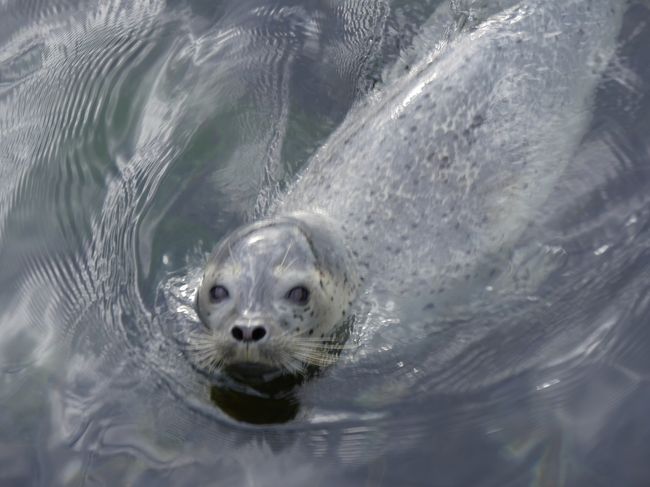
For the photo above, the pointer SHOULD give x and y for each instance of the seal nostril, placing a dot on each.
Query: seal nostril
(247, 333)
(259, 332)
(237, 333)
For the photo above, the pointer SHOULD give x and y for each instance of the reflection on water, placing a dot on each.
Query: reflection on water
(133, 135)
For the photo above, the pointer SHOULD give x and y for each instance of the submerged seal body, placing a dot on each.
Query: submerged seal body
(421, 193)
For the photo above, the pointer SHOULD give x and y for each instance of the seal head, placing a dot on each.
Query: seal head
(274, 297)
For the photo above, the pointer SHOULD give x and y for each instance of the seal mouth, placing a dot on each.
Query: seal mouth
(252, 371)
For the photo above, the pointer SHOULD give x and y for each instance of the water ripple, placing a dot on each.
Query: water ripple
(134, 134)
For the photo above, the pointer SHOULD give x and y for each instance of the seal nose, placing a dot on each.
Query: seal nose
(248, 333)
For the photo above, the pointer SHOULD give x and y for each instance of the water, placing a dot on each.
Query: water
(133, 135)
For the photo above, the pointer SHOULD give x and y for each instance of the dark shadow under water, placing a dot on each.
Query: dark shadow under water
(271, 402)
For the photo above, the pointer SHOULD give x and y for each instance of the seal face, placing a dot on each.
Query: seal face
(274, 297)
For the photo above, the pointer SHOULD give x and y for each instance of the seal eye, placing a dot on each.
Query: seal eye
(218, 294)
(298, 295)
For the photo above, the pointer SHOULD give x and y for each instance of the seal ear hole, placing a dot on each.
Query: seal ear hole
(218, 293)
(298, 295)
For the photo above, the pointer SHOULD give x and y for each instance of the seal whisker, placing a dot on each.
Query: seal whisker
(290, 265)
(199, 343)
(316, 341)
(230, 253)
(290, 363)
(202, 353)
(203, 350)
(324, 346)
(199, 338)
(215, 364)
(281, 266)
(204, 357)
(315, 358)
(315, 351)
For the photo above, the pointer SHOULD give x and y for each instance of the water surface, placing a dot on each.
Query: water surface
(133, 135)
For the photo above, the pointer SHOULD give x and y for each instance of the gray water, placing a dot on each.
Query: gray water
(133, 135)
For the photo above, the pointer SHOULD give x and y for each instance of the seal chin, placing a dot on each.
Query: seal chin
(253, 372)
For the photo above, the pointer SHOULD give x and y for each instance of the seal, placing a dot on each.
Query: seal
(420, 195)
(274, 297)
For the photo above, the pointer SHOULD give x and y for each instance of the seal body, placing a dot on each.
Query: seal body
(436, 180)
(422, 192)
